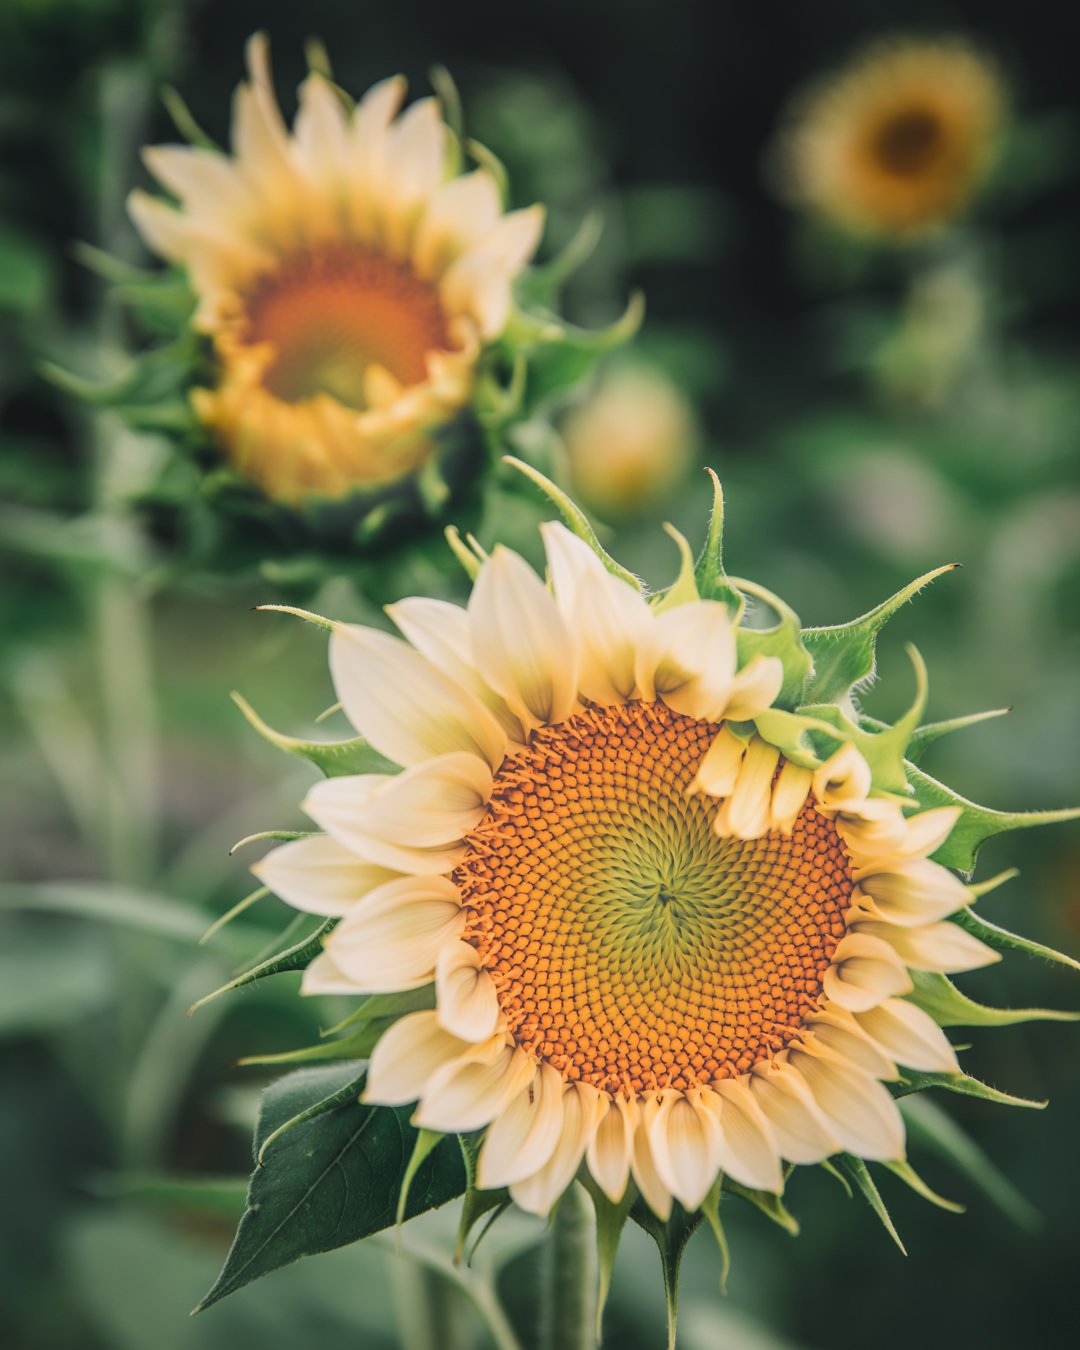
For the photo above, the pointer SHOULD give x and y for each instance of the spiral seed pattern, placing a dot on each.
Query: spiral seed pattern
(630, 947)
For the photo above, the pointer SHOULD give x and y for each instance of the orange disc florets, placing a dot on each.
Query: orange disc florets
(630, 946)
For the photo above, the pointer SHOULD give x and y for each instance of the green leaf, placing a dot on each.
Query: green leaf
(769, 1204)
(938, 996)
(295, 957)
(907, 1174)
(671, 1237)
(962, 1083)
(334, 758)
(927, 1125)
(864, 1183)
(994, 936)
(925, 736)
(844, 655)
(684, 588)
(329, 1180)
(976, 823)
(220, 1196)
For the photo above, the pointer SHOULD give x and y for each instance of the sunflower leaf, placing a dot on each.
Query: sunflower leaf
(977, 824)
(333, 1177)
(671, 1237)
(334, 758)
(845, 655)
(864, 1182)
(938, 996)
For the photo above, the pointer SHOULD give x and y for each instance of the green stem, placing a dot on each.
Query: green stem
(569, 1288)
(432, 1313)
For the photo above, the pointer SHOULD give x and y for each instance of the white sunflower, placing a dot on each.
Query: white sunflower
(660, 948)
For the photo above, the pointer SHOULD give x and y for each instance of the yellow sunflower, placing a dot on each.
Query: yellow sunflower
(660, 948)
(900, 141)
(347, 276)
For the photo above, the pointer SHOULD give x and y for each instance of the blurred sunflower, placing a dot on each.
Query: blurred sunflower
(347, 277)
(660, 944)
(899, 142)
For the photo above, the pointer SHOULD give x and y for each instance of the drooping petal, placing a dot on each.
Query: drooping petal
(754, 689)
(857, 1109)
(408, 709)
(789, 796)
(467, 1003)
(612, 1147)
(834, 1029)
(318, 875)
(392, 939)
(521, 644)
(643, 1166)
(569, 561)
(843, 780)
(406, 1056)
(942, 947)
(910, 1036)
(470, 1093)
(537, 1193)
(523, 1137)
(746, 813)
(747, 1149)
(685, 1142)
(794, 1119)
(687, 659)
(718, 771)
(865, 971)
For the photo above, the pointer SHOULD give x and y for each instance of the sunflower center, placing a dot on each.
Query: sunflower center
(909, 141)
(335, 311)
(630, 946)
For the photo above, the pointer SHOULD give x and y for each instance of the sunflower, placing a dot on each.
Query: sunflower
(898, 143)
(347, 277)
(665, 943)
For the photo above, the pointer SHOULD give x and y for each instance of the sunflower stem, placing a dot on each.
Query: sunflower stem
(569, 1286)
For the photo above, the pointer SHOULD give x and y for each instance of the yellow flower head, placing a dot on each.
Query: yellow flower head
(900, 141)
(347, 277)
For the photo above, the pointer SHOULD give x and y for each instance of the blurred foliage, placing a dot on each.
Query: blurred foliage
(872, 415)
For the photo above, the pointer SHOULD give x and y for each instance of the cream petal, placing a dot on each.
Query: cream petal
(910, 1036)
(521, 644)
(643, 1166)
(794, 1120)
(789, 796)
(916, 837)
(514, 238)
(842, 780)
(408, 709)
(318, 875)
(205, 181)
(472, 286)
(440, 631)
(748, 1151)
(745, 814)
(569, 561)
(942, 947)
(610, 622)
(459, 214)
(320, 132)
(466, 1000)
(837, 1030)
(612, 1146)
(406, 1056)
(471, 1093)
(864, 972)
(322, 976)
(522, 1138)
(857, 1109)
(413, 821)
(581, 1110)
(685, 1142)
(687, 659)
(718, 771)
(392, 939)
(915, 893)
(754, 689)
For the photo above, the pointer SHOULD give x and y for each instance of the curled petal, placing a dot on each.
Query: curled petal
(406, 1056)
(610, 622)
(643, 1165)
(754, 689)
(581, 1107)
(942, 947)
(687, 659)
(789, 796)
(470, 1093)
(612, 1147)
(466, 1000)
(865, 971)
(718, 771)
(523, 1137)
(685, 1141)
(746, 813)
(843, 780)
(914, 893)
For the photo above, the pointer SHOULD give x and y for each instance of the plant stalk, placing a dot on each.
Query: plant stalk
(569, 1281)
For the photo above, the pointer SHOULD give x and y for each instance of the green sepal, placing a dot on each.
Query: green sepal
(426, 1143)
(925, 736)
(296, 957)
(994, 936)
(796, 735)
(610, 1222)
(334, 758)
(907, 1174)
(683, 590)
(963, 1084)
(271, 837)
(712, 582)
(331, 1177)
(828, 1166)
(844, 655)
(540, 284)
(710, 1207)
(671, 1236)
(259, 893)
(477, 1202)
(783, 640)
(575, 518)
(864, 1184)
(938, 996)
(358, 1045)
(927, 1125)
(977, 824)
(768, 1203)
(376, 1007)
